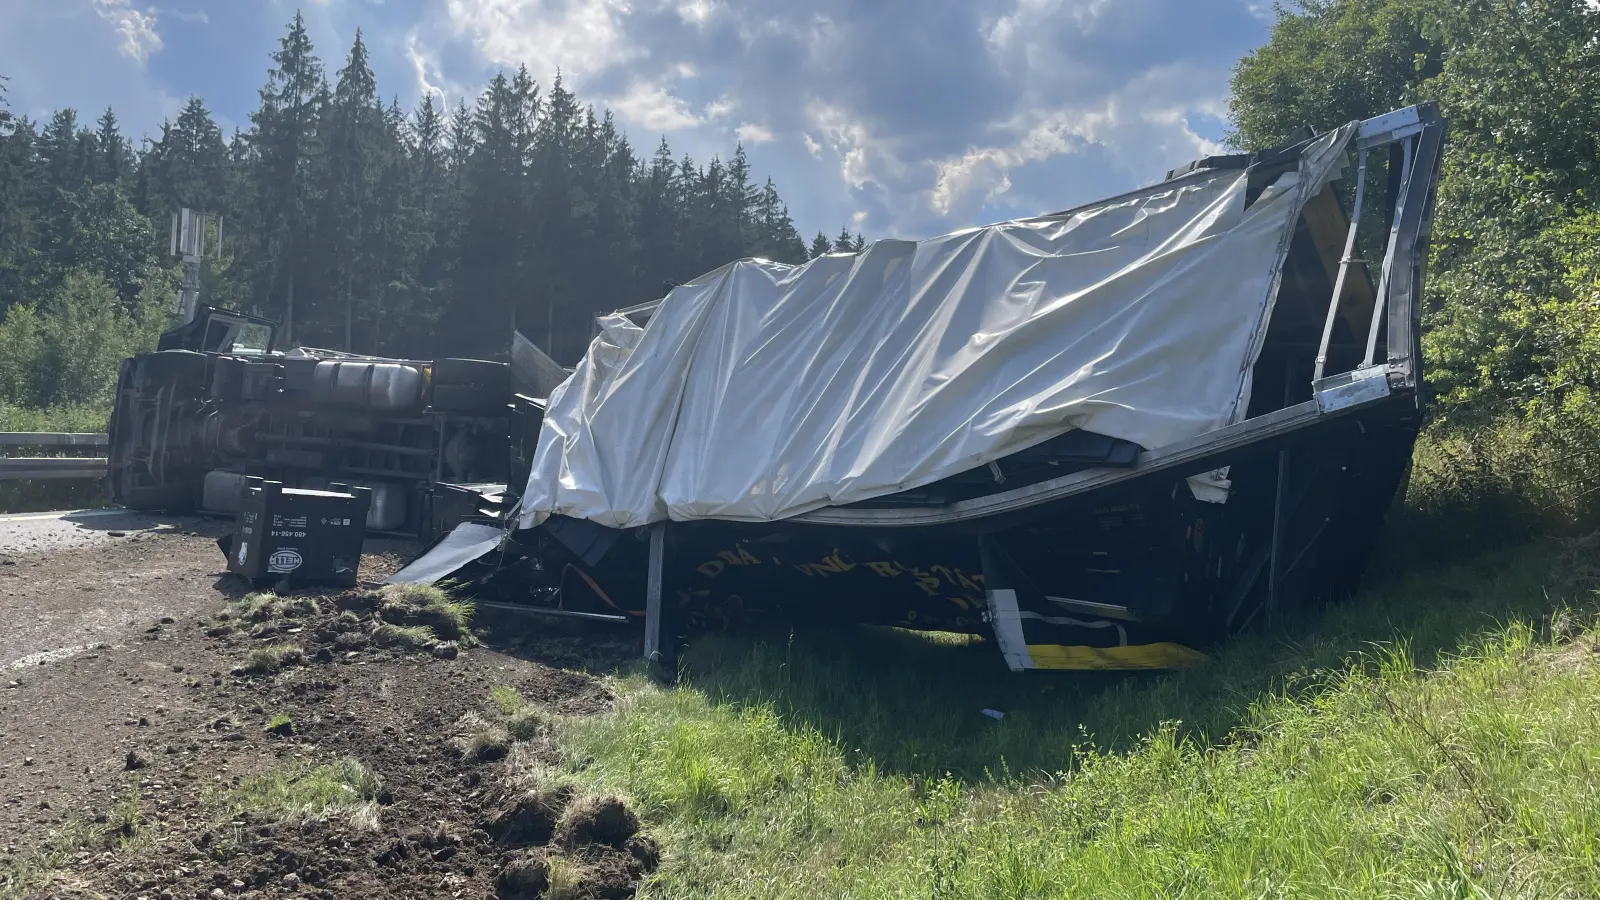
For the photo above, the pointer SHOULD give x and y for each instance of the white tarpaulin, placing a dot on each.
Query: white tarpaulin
(761, 391)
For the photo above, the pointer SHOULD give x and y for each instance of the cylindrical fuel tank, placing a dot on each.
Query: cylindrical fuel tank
(382, 387)
(389, 502)
(223, 492)
(388, 509)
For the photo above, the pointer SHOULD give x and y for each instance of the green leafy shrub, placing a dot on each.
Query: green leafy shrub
(67, 349)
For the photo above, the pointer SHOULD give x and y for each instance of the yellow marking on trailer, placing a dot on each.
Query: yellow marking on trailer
(1160, 655)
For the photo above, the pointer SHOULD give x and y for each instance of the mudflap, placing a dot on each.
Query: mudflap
(1033, 634)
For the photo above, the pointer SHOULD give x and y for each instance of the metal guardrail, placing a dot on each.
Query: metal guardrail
(16, 468)
(52, 467)
(52, 439)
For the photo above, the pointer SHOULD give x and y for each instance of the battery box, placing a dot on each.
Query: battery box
(299, 536)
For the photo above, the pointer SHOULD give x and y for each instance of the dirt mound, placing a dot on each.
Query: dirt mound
(530, 817)
(523, 878)
(644, 849)
(599, 820)
(606, 876)
(297, 755)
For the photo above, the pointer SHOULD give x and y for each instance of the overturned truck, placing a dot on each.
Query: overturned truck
(217, 402)
(1104, 437)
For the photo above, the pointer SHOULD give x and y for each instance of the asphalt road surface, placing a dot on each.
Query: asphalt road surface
(73, 579)
(41, 532)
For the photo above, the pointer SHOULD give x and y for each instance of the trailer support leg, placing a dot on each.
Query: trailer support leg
(1274, 569)
(652, 596)
(1000, 596)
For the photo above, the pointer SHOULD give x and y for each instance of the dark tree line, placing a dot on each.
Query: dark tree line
(362, 226)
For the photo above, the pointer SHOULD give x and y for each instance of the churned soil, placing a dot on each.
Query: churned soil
(168, 717)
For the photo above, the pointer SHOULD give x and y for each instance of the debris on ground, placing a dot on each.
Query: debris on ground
(322, 744)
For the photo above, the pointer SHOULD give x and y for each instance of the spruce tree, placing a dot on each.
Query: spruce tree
(285, 140)
(357, 140)
(844, 243)
(659, 226)
(113, 162)
(22, 185)
(187, 166)
(820, 246)
(63, 150)
(356, 226)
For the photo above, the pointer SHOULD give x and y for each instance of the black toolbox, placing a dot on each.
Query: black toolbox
(299, 536)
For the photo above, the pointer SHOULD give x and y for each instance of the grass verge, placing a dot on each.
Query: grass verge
(264, 606)
(1437, 737)
(269, 660)
(429, 606)
(411, 637)
(121, 826)
(299, 793)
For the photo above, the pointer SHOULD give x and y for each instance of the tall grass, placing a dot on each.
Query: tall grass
(82, 417)
(1480, 481)
(1436, 737)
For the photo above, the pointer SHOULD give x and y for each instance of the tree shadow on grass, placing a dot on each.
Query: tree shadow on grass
(911, 703)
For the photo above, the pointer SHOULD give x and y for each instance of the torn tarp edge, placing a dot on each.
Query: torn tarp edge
(469, 542)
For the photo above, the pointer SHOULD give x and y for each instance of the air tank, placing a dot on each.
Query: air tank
(388, 509)
(377, 386)
(222, 492)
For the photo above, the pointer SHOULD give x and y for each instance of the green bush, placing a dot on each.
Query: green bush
(66, 350)
(1484, 481)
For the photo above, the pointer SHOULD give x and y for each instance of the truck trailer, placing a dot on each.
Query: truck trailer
(1103, 438)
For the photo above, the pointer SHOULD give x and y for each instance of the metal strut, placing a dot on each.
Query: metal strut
(1344, 266)
(1381, 301)
(652, 592)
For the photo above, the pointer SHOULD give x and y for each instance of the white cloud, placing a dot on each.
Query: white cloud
(974, 179)
(423, 67)
(1142, 126)
(652, 107)
(580, 37)
(849, 139)
(1020, 104)
(1024, 22)
(697, 12)
(138, 29)
(753, 133)
(720, 107)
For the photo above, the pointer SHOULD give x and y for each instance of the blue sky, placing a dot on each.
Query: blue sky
(901, 118)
